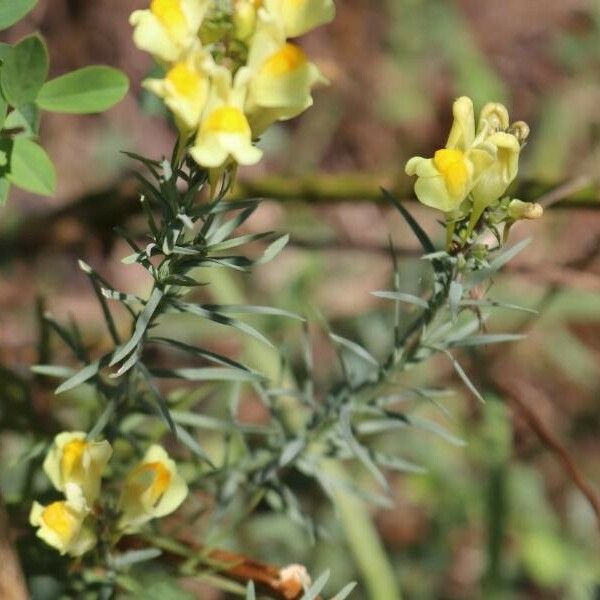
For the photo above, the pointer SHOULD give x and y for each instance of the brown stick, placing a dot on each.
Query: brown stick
(514, 391)
(12, 582)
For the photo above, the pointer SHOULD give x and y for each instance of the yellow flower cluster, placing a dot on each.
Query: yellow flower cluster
(75, 466)
(231, 70)
(477, 164)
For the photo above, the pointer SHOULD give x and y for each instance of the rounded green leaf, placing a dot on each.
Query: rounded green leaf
(12, 11)
(24, 71)
(31, 168)
(88, 90)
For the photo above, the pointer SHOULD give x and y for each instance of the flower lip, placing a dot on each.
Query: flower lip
(61, 520)
(170, 14)
(289, 58)
(227, 119)
(452, 166)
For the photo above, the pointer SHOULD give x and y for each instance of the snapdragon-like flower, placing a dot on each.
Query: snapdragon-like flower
(299, 16)
(74, 460)
(225, 133)
(61, 524)
(445, 180)
(282, 77)
(185, 89)
(169, 28)
(152, 489)
(479, 165)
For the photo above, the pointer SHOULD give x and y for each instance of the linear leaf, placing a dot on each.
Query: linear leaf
(217, 317)
(423, 238)
(345, 591)
(207, 374)
(248, 309)
(359, 451)
(481, 340)
(201, 352)
(402, 297)
(355, 348)
(317, 587)
(141, 325)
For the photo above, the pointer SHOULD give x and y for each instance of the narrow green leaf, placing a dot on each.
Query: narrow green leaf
(207, 374)
(488, 303)
(31, 168)
(402, 297)
(250, 593)
(345, 591)
(217, 317)
(185, 438)
(423, 238)
(481, 340)
(141, 325)
(103, 420)
(360, 451)
(273, 250)
(317, 587)
(248, 309)
(52, 371)
(81, 376)
(24, 71)
(121, 561)
(454, 296)
(355, 348)
(89, 90)
(509, 254)
(201, 352)
(12, 11)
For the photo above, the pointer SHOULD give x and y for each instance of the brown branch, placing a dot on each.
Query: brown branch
(515, 390)
(94, 215)
(12, 582)
(267, 578)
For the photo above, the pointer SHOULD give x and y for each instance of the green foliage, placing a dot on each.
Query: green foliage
(12, 11)
(31, 167)
(24, 91)
(29, 57)
(88, 90)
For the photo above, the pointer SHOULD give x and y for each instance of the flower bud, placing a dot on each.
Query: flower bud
(518, 209)
(244, 19)
(292, 580)
(520, 130)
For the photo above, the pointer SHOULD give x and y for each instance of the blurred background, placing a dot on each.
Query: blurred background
(504, 517)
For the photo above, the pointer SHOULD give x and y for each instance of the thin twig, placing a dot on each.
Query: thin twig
(515, 390)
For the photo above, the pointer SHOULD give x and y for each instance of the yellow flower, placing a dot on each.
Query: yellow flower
(60, 525)
(494, 181)
(224, 132)
(445, 180)
(185, 89)
(169, 28)
(281, 77)
(300, 16)
(74, 460)
(153, 489)
(506, 142)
